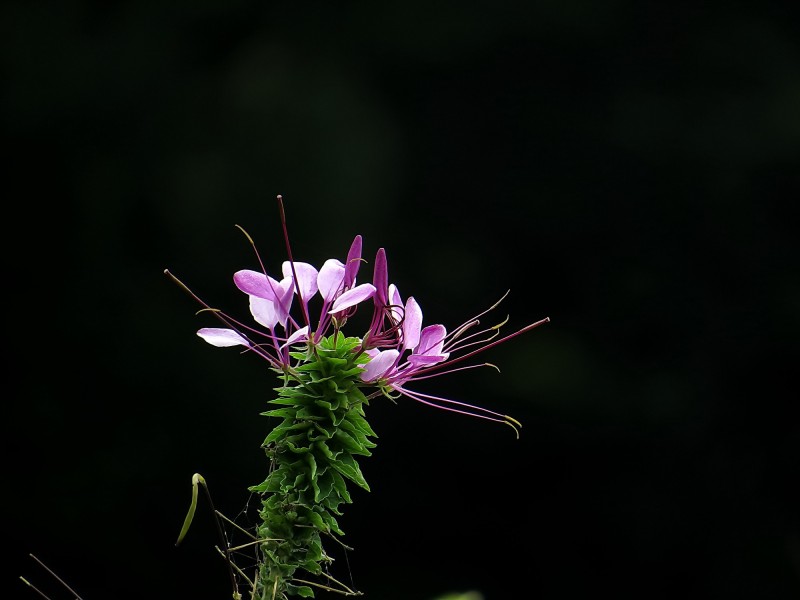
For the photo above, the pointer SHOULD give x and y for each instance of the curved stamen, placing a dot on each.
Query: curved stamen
(427, 399)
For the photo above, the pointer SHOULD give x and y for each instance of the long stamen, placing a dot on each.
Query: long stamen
(426, 399)
(275, 293)
(455, 370)
(226, 320)
(484, 348)
(291, 263)
(465, 342)
(469, 323)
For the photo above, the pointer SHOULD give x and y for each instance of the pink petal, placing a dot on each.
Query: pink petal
(395, 303)
(431, 340)
(306, 277)
(353, 262)
(424, 360)
(412, 324)
(264, 312)
(222, 338)
(299, 335)
(330, 279)
(283, 302)
(379, 365)
(254, 283)
(380, 277)
(352, 297)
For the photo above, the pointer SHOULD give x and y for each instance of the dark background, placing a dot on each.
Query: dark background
(629, 169)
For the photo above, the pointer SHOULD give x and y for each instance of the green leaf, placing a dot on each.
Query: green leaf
(300, 590)
(323, 486)
(312, 566)
(347, 466)
(361, 423)
(284, 413)
(357, 434)
(312, 464)
(330, 521)
(340, 485)
(315, 519)
(350, 443)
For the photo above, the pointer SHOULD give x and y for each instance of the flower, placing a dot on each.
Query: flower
(271, 303)
(424, 352)
(397, 349)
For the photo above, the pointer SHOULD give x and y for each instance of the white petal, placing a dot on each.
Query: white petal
(299, 335)
(330, 278)
(264, 312)
(395, 302)
(306, 277)
(352, 297)
(222, 338)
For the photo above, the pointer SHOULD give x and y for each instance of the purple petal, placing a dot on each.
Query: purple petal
(380, 278)
(264, 312)
(254, 283)
(431, 340)
(306, 277)
(352, 297)
(395, 303)
(283, 303)
(299, 335)
(424, 360)
(222, 338)
(353, 262)
(412, 324)
(330, 279)
(379, 365)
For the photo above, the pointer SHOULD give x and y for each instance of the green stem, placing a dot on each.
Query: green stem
(313, 458)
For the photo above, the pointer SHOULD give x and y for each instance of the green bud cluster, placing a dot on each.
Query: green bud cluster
(312, 454)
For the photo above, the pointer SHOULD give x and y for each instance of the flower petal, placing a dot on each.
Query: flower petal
(254, 283)
(353, 262)
(330, 278)
(380, 278)
(299, 335)
(264, 312)
(431, 340)
(283, 302)
(395, 303)
(306, 278)
(222, 338)
(412, 324)
(352, 297)
(380, 364)
(418, 361)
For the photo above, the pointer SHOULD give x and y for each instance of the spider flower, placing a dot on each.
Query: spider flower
(298, 323)
(271, 303)
(425, 352)
(397, 349)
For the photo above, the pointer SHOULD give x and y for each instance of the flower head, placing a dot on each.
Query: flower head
(397, 350)
(430, 351)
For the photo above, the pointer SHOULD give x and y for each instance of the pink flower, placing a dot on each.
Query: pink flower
(430, 351)
(271, 303)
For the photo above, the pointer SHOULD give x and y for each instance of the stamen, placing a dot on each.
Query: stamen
(230, 322)
(425, 399)
(474, 320)
(486, 347)
(291, 262)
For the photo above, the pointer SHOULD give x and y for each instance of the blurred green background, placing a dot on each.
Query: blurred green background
(629, 169)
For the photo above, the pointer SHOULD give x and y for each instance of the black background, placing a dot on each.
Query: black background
(629, 169)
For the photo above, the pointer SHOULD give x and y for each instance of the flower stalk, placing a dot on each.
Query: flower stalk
(327, 379)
